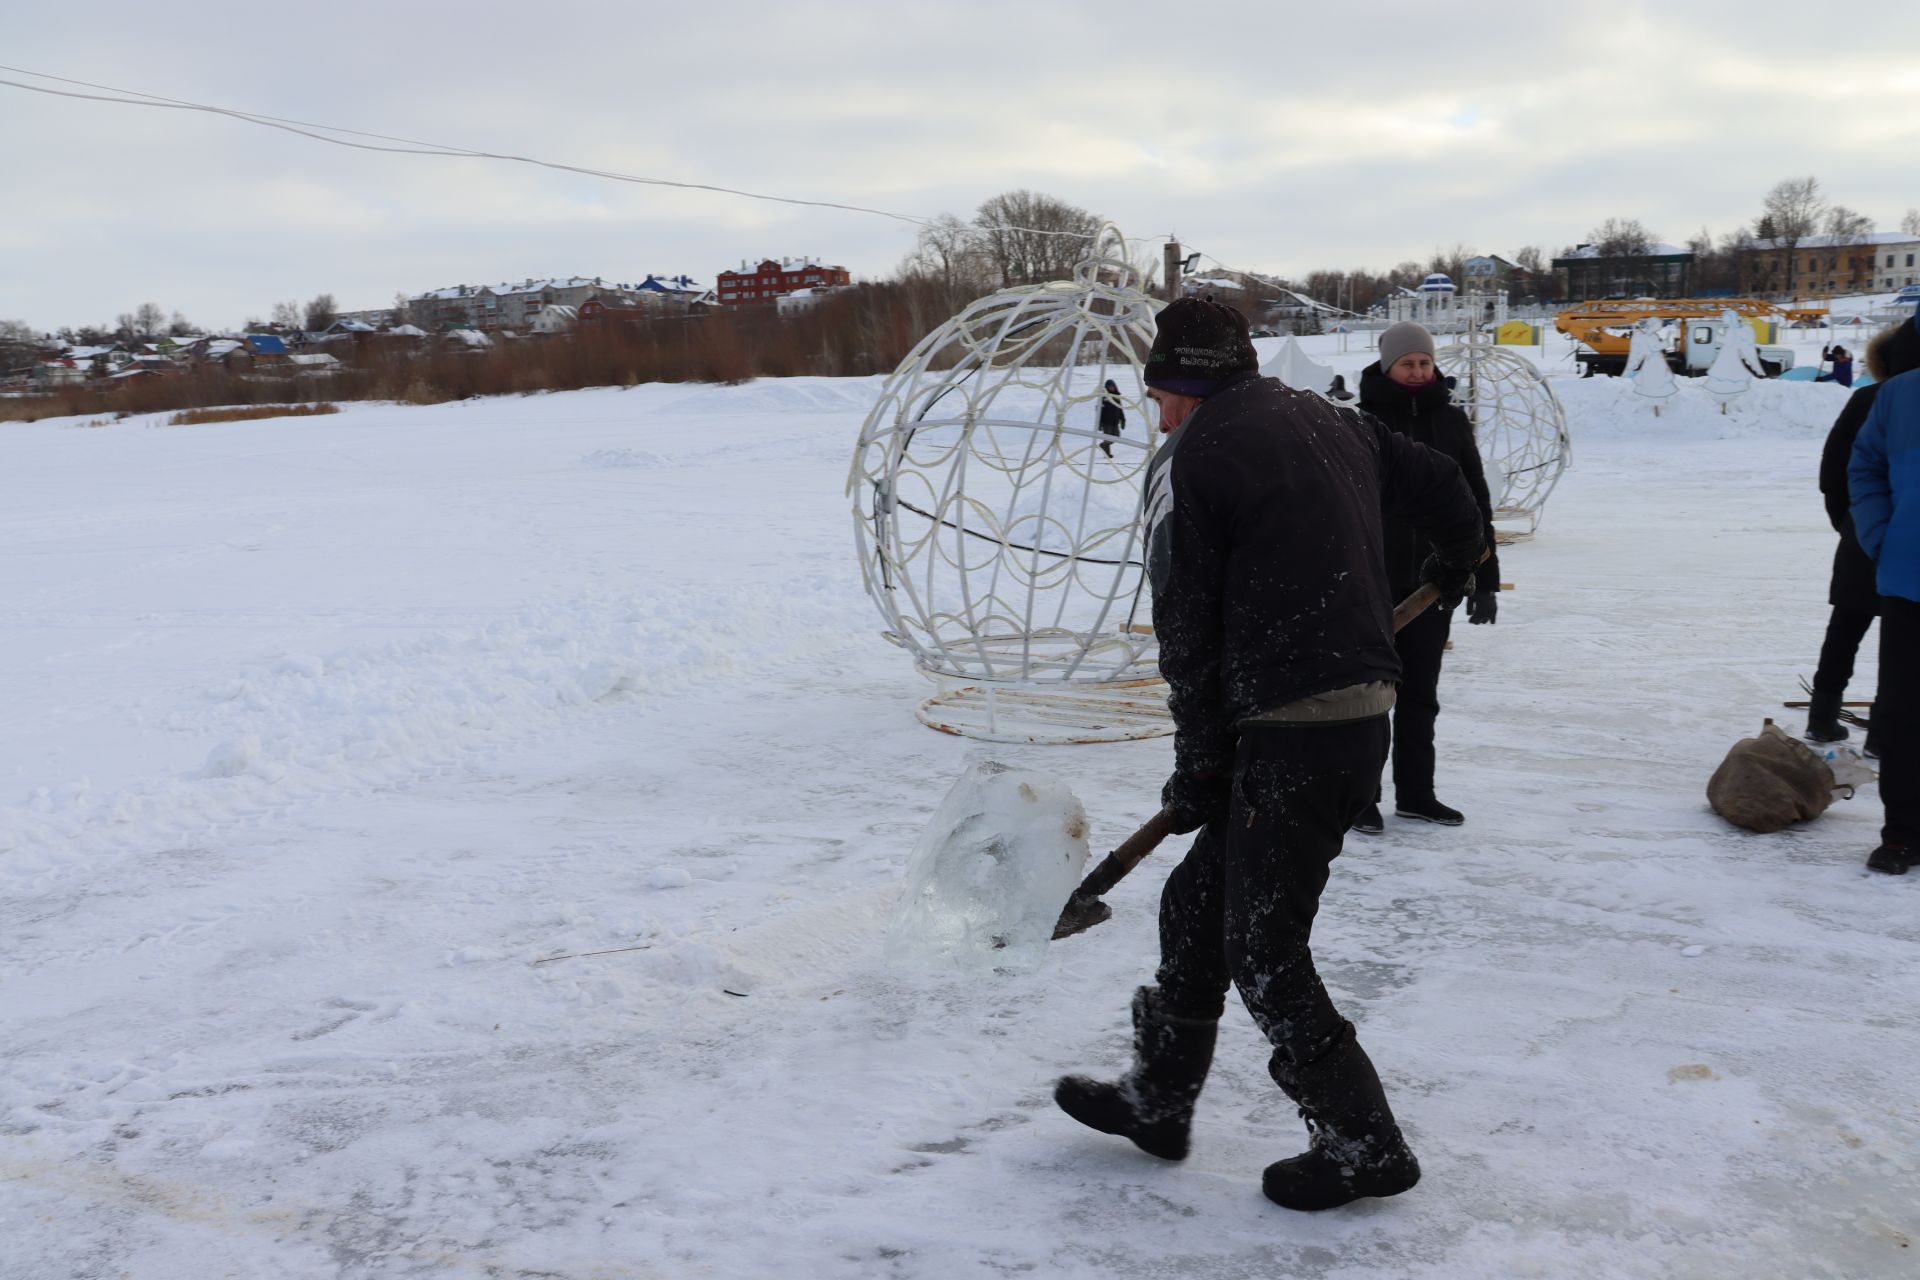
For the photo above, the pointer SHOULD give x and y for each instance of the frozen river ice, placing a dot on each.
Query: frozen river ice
(459, 841)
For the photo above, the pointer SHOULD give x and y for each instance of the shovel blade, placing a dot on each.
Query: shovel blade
(1082, 912)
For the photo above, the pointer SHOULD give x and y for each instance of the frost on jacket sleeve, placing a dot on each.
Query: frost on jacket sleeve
(1188, 541)
(1427, 489)
(1869, 483)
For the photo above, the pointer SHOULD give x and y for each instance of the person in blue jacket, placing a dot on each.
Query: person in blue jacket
(1883, 479)
(1842, 361)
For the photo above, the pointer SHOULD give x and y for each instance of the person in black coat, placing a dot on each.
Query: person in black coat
(1270, 604)
(1405, 390)
(1113, 419)
(1851, 592)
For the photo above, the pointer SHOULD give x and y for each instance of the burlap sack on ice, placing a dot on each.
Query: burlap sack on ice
(1770, 782)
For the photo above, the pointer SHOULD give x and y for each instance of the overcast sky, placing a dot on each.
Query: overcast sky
(1273, 136)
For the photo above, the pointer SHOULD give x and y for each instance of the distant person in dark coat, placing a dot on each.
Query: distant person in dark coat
(1883, 479)
(1113, 419)
(1851, 593)
(1405, 390)
(1842, 361)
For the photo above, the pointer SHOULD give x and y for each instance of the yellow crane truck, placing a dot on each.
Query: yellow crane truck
(1604, 328)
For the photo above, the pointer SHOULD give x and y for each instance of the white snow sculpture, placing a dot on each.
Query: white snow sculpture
(1001, 542)
(1647, 363)
(1518, 423)
(1294, 367)
(1736, 366)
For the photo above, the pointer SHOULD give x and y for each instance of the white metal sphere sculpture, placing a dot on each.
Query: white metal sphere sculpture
(999, 530)
(1518, 422)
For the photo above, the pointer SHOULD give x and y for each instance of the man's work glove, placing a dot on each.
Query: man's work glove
(1198, 792)
(1481, 607)
(1456, 581)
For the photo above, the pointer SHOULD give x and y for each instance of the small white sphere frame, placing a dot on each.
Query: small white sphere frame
(1519, 424)
(1000, 532)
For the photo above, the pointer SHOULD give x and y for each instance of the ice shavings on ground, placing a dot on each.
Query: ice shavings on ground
(503, 976)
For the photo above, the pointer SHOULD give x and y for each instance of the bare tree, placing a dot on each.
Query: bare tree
(1910, 222)
(1406, 274)
(401, 312)
(149, 320)
(1031, 238)
(1846, 226)
(18, 345)
(286, 315)
(320, 312)
(953, 253)
(1792, 212)
(179, 326)
(1621, 238)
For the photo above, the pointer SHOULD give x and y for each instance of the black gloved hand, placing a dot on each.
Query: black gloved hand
(1481, 607)
(1456, 581)
(1198, 793)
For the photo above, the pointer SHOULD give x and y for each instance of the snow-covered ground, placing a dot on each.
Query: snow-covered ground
(330, 745)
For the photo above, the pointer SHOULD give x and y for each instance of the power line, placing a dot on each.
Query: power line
(411, 146)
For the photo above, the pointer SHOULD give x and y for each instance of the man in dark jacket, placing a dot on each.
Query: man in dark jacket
(1405, 390)
(1274, 620)
(1883, 478)
(1851, 592)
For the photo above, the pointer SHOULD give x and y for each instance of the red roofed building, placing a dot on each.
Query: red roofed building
(759, 286)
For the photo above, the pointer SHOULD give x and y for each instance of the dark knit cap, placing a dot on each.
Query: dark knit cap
(1198, 346)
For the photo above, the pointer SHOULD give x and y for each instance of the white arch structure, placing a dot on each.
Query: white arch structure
(1518, 422)
(1000, 541)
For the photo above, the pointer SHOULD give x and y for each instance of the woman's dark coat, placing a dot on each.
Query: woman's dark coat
(1429, 416)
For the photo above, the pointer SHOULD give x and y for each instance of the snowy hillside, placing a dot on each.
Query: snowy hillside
(334, 747)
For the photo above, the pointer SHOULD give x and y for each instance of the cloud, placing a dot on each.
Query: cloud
(1273, 136)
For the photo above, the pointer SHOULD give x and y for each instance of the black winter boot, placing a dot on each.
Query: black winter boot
(1823, 718)
(1428, 809)
(1356, 1148)
(1893, 859)
(1152, 1105)
(1370, 823)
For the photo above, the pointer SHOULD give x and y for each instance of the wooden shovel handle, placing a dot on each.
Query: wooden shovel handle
(1422, 600)
(1131, 853)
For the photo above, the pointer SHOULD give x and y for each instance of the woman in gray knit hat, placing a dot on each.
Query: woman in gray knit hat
(1404, 389)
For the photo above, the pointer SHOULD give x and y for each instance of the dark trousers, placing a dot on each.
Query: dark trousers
(1896, 719)
(1845, 629)
(1239, 908)
(1421, 645)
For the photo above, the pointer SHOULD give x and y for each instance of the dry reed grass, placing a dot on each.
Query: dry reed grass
(194, 417)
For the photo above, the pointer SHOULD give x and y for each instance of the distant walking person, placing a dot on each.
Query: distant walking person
(1113, 419)
(1851, 593)
(1404, 389)
(1884, 481)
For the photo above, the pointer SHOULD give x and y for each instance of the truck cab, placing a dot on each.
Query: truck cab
(1699, 344)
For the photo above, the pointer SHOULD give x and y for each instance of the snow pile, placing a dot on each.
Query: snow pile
(1610, 407)
(995, 865)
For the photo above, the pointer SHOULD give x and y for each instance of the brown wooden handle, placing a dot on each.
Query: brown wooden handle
(1131, 853)
(1422, 600)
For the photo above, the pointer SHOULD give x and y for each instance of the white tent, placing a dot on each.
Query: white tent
(1294, 367)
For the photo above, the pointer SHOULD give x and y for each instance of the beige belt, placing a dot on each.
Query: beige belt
(1335, 706)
